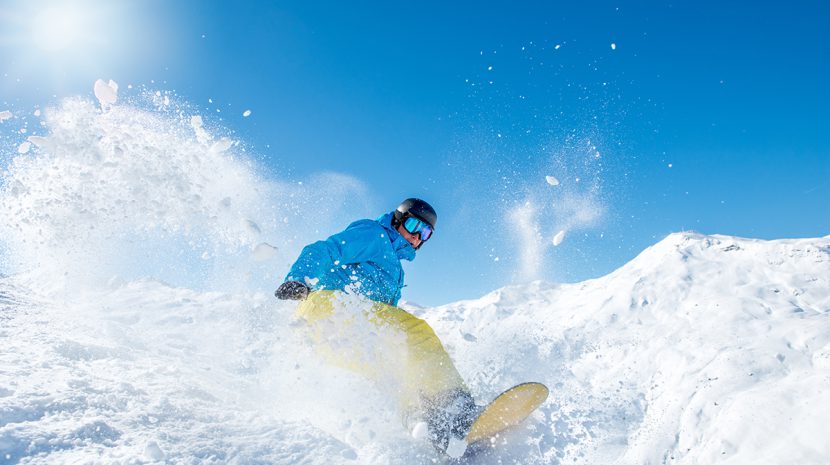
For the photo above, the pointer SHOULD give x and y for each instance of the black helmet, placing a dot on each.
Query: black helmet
(417, 208)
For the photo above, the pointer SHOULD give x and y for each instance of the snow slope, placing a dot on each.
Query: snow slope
(704, 349)
(138, 326)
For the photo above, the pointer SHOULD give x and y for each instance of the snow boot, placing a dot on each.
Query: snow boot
(448, 417)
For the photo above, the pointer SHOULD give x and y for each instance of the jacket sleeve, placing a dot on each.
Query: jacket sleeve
(361, 242)
(313, 260)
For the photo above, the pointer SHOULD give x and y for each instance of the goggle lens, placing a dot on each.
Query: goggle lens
(416, 226)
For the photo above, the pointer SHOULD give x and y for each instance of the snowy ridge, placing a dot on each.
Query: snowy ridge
(703, 349)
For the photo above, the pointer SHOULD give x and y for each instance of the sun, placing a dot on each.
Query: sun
(53, 42)
(65, 30)
(59, 27)
(59, 46)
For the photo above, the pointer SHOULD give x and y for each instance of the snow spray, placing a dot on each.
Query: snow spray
(148, 189)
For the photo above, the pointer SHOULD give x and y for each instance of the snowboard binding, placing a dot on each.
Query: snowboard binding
(449, 416)
(454, 421)
(443, 419)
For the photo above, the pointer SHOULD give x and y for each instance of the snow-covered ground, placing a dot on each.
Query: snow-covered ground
(703, 349)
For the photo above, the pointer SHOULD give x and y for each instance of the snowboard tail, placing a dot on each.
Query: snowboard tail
(508, 409)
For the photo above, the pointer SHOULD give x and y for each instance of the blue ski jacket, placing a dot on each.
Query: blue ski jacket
(365, 258)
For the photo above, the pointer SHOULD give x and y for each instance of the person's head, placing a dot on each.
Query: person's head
(415, 220)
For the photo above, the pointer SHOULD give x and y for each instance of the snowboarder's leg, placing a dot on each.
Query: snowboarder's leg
(429, 368)
(426, 381)
(429, 365)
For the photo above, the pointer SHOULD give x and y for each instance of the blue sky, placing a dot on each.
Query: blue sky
(706, 116)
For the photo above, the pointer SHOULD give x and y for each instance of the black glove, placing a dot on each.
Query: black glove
(292, 290)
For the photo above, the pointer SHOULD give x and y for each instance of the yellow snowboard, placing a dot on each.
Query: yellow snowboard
(508, 409)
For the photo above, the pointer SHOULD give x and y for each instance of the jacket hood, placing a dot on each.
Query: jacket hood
(403, 249)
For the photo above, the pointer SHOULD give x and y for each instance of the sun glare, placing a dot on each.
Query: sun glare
(58, 28)
(51, 43)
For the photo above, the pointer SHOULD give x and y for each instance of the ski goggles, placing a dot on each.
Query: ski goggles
(415, 226)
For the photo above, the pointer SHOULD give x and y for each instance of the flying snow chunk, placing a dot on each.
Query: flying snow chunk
(558, 238)
(198, 127)
(552, 181)
(196, 122)
(456, 448)
(420, 431)
(153, 452)
(221, 145)
(24, 147)
(39, 141)
(252, 227)
(246, 113)
(264, 251)
(5, 114)
(613, 46)
(106, 92)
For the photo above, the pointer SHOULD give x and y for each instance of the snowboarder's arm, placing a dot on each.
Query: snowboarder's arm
(361, 242)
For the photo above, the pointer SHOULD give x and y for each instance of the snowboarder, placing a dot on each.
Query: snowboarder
(365, 260)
